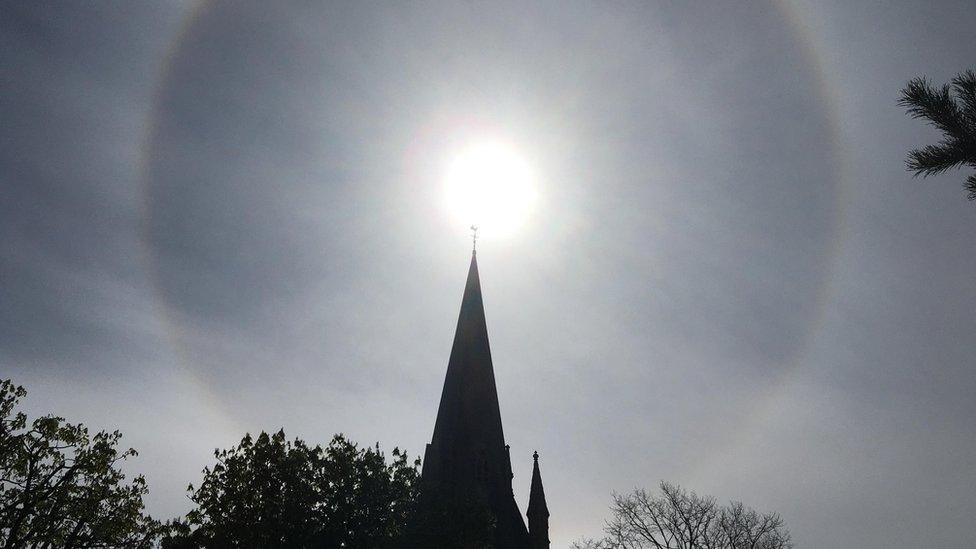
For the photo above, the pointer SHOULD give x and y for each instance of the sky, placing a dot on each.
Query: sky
(226, 217)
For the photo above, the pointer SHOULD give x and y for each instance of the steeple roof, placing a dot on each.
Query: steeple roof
(467, 459)
(468, 410)
(537, 496)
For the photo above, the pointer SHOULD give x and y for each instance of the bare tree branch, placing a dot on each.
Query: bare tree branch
(677, 519)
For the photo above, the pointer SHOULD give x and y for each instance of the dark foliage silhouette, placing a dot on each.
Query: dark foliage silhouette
(61, 487)
(951, 109)
(677, 519)
(271, 492)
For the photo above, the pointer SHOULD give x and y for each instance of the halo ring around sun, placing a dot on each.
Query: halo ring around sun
(505, 212)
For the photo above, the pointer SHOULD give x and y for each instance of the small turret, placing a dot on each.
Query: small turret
(537, 512)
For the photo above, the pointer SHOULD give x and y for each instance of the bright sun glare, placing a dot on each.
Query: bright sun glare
(490, 185)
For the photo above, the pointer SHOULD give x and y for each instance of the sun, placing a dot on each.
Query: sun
(491, 186)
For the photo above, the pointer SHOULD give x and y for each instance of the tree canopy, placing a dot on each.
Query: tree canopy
(62, 487)
(677, 519)
(951, 108)
(271, 492)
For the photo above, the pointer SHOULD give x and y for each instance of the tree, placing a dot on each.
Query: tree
(60, 487)
(677, 519)
(951, 109)
(270, 492)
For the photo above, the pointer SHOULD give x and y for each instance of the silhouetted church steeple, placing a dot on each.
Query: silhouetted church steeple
(467, 459)
(468, 410)
(538, 511)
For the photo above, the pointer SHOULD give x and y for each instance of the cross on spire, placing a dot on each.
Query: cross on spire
(474, 239)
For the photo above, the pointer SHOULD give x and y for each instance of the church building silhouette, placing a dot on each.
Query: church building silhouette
(467, 459)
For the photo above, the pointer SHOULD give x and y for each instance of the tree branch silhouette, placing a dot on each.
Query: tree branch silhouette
(951, 109)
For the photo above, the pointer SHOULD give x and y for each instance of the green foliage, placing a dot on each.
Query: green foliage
(61, 487)
(952, 110)
(271, 492)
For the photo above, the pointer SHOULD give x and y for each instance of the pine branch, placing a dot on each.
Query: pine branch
(935, 159)
(935, 105)
(964, 85)
(952, 109)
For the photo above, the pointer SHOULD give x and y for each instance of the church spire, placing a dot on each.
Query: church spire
(537, 512)
(469, 399)
(467, 459)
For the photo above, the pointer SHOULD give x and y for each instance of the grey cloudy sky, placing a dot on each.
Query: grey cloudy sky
(228, 217)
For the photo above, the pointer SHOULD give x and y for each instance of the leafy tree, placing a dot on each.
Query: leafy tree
(951, 109)
(270, 492)
(60, 487)
(677, 519)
